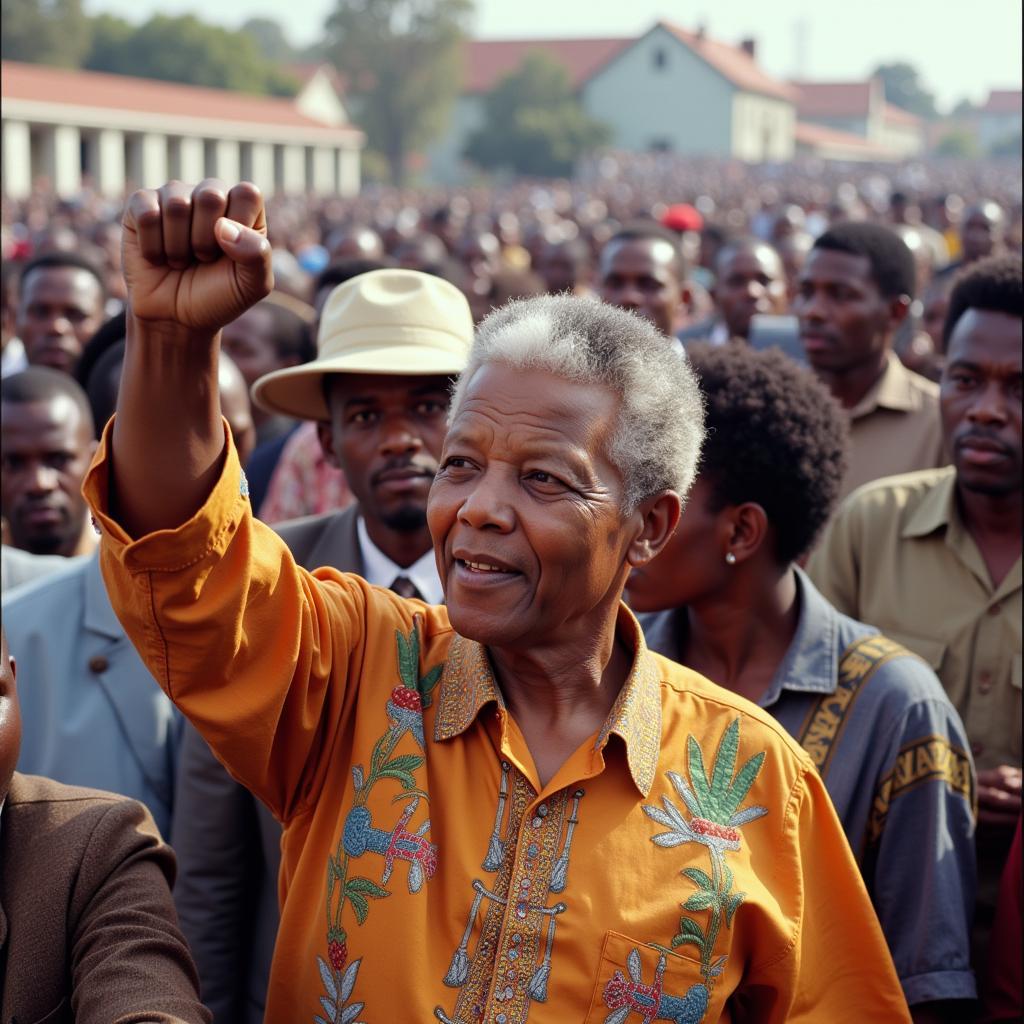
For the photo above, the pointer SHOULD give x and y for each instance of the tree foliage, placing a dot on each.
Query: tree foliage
(270, 40)
(185, 49)
(180, 49)
(958, 143)
(55, 32)
(400, 60)
(534, 124)
(904, 88)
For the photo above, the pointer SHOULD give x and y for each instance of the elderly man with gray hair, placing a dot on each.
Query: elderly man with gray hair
(504, 809)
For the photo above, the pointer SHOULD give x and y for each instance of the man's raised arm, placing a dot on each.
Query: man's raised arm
(194, 260)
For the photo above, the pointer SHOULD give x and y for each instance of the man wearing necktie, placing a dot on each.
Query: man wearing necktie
(389, 344)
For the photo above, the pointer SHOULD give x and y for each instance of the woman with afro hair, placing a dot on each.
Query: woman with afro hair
(731, 602)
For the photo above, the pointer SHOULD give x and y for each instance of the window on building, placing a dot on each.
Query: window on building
(660, 59)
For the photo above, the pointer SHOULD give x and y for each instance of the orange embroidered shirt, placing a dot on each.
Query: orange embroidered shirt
(684, 864)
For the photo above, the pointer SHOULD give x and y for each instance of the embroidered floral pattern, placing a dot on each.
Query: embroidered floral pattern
(360, 836)
(625, 996)
(713, 802)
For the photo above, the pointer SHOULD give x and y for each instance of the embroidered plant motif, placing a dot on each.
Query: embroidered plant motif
(338, 987)
(715, 821)
(624, 996)
(404, 710)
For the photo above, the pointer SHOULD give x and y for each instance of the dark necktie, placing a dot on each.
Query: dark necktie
(404, 587)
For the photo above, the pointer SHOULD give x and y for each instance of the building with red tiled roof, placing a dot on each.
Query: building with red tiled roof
(122, 132)
(669, 90)
(485, 62)
(860, 109)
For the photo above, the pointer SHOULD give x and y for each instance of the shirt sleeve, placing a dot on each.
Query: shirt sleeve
(129, 961)
(834, 565)
(837, 967)
(919, 851)
(264, 658)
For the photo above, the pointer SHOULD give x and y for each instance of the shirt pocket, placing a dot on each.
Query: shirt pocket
(635, 982)
(932, 651)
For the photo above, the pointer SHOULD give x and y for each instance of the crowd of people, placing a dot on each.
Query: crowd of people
(589, 600)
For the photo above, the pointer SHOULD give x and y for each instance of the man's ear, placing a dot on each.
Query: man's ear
(325, 435)
(659, 516)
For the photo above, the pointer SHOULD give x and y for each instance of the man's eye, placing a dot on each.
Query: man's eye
(59, 460)
(431, 408)
(456, 462)
(546, 480)
(363, 418)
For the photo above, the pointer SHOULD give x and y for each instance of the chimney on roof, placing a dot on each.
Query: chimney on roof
(749, 47)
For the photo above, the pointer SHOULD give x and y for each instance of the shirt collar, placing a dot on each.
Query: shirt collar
(811, 663)
(379, 570)
(468, 685)
(936, 510)
(893, 390)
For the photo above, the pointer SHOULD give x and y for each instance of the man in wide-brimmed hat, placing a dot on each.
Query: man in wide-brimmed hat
(389, 343)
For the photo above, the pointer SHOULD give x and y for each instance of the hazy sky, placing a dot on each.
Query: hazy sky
(961, 48)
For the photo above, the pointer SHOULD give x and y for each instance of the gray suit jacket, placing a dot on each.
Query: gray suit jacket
(228, 844)
(87, 929)
(92, 715)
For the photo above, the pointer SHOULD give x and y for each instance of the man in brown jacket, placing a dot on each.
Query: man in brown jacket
(88, 931)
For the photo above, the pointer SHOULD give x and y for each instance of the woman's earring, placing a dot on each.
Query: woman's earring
(730, 558)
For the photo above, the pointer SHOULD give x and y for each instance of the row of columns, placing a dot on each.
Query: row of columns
(113, 158)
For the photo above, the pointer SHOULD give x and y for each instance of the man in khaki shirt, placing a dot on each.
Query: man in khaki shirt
(934, 558)
(854, 291)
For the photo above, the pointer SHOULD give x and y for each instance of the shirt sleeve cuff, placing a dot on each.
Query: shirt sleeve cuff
(939, 985)
(207, 531)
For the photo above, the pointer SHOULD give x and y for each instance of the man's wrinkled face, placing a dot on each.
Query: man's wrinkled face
(386, 434)
(47, 447)
(980, 400)
(526, 509)
(642, 275)
(10, 718)
(59, 310)
(749, 281)
(845, 321)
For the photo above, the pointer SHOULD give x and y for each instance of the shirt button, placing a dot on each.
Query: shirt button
(98, 663)
(537, 822)
(543, 810)
(985, 681)
(977, 749)
(994, 610)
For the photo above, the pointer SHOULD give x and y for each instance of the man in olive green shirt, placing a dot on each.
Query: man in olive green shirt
(854, 292)
(933, 558)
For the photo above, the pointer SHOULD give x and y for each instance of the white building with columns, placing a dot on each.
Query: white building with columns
(124, 133)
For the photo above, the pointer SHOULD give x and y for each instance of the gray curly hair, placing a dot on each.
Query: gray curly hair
(657, 441)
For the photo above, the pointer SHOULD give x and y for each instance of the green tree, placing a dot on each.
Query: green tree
(400, 60)
(534, 123)
(904, 88)
(185, 49)
(957, 143)
(270, 39)
(53, 32)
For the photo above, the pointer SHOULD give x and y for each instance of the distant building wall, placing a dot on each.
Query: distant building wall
(762, 128)
(658, 95)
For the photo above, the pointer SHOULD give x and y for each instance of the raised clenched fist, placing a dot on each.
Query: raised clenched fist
(196, 257)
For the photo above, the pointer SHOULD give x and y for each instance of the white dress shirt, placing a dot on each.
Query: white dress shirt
(379, 570)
